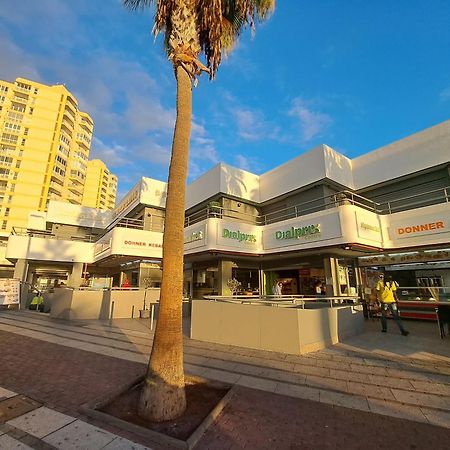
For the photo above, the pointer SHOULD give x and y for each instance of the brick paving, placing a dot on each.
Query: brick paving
(322, 400)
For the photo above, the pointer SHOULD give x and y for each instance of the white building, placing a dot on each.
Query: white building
(319, 218)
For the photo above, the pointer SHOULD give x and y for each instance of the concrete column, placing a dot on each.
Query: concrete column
(331, 276)
(225, 271)
(21, 272)
(75, 278)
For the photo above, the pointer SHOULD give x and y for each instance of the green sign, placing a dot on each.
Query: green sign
(297, 233)
(241, 237)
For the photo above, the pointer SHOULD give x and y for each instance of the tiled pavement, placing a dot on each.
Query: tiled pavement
(387, 374)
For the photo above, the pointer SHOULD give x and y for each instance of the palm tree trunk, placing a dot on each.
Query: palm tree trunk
(163, 396)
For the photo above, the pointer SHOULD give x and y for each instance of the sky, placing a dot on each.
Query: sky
(353, 74)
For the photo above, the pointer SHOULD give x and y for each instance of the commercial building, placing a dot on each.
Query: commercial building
(45, 142)
(320, 218)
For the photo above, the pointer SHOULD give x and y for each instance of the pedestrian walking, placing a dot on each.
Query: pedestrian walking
(386, 292)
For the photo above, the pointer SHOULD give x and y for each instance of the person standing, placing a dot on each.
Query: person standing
(278, 289)
(387, 296)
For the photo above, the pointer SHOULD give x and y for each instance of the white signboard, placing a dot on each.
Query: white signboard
(194, 236)
(9, 291)
(299, 232)
(369, 226)
(238, 235)
(423, 225)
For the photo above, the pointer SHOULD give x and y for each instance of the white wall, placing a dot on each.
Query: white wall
(305, 169)
(419, 151)
(83, 216)
(25, 247)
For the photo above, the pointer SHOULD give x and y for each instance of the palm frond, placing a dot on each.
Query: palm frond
(137, 4)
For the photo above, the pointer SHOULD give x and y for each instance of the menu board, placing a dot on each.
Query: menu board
(9, 291)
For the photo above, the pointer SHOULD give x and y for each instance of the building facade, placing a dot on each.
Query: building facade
(321, 219)
(45, 142)
(100, 186)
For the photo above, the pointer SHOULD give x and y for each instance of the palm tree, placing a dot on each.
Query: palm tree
(190, 27)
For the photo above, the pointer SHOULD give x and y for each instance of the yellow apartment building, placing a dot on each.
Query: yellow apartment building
(100, 186)
(45, 142)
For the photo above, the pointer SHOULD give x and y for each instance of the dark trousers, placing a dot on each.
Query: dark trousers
(392, 307)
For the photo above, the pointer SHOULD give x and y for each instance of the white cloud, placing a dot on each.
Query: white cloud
(112, 155)
(312, 123)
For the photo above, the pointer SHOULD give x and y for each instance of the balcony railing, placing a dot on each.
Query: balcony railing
(340, 198)
(45, 234)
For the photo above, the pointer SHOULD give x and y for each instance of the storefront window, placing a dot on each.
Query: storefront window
(249, 281)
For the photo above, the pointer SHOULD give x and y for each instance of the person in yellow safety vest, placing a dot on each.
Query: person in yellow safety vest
(387, 296)
(37, 302)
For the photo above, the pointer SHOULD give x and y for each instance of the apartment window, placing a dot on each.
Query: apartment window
(61, 160)
(12, 188)
(27, 87)
(11, 138)
(15, 176)
(23, 142)
(63, 150)
(25, 132)
(3, 88)
(4, 224)
(58, 170)
(2, 98)
(3, 185)
(12, 127)
(64, 139)
(15, 117)
(6, 212)
(6, 160)
(31, 111)
(36, 90)
(17, 164)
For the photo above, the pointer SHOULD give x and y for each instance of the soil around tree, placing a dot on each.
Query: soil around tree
(201, 397)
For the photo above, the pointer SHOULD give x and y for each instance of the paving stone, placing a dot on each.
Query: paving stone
(5, 393)
(433, 388)
(221, 375)
(124, 444)
(395, 409)
(326, 383)
(79, 435)
(9, 443)
(41, 421)
(257, 383)
(312, 370)
(345, 400)
(419, 398)
(371, 370)
(436, 417)
(293, 390)
(370, 390)
(390, 382)
(16, 406)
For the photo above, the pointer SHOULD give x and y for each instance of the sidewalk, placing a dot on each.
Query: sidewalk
(316, 400)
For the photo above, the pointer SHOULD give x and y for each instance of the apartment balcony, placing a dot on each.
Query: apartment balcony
(67, 121)
(54, 196)
(76, 188)
(58, 178)
(20, 98)
(77, 179)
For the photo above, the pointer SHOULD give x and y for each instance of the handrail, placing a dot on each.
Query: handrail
(290, 301)
(321, 203)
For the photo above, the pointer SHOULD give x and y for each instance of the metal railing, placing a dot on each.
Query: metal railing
(286, 301)
(345, 197)
(45, 234)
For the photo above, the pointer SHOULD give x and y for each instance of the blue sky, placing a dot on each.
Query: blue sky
(354, 75)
